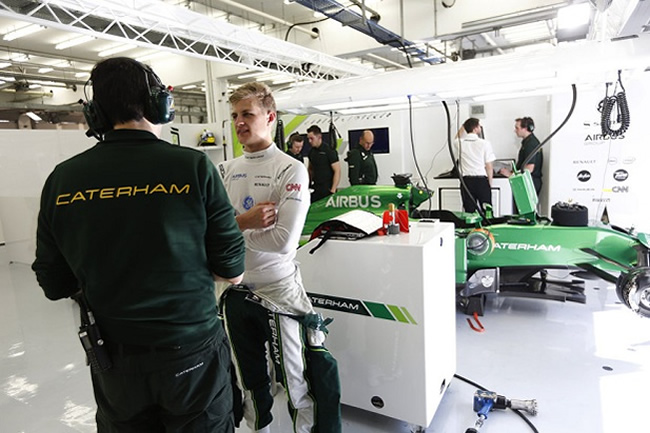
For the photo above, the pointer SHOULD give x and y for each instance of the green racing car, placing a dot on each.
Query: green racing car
(512, 255)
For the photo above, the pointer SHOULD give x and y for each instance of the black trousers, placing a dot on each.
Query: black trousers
(479, 186)
(165, 390)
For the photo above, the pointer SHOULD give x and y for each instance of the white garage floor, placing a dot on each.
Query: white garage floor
(588, 366)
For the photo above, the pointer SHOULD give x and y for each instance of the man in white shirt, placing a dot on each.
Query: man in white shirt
(270, 193)
(476, 157)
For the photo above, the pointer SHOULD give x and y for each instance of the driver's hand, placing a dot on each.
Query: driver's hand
(260, 216)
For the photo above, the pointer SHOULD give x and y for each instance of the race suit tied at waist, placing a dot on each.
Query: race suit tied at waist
(351, 225)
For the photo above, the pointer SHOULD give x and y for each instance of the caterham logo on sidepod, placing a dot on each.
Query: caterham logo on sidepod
(584, 176)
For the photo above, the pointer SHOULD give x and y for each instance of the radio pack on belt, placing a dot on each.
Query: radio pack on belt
(91, 340)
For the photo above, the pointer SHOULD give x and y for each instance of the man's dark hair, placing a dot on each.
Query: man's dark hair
(526, 123)
(293, 138)
(121, 88)
(314, 129)
(470, 124)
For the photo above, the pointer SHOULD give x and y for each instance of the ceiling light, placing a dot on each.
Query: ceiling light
(45, 70)
(573, 16)
(150, 56)
(11, 79)
(189, 86)
(366, 103)
(23, 31)
(4, 65)
(33, 116)
(61, 64)
(34, 86)
(251, 75)
(73, 42)
(82, 74)
(115, 50)
(20, 58)
(283, 81)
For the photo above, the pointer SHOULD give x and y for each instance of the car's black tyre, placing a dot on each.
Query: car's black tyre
(569, 214)
(633, 289)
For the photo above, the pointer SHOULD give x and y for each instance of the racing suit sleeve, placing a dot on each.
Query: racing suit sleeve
(53, 273)
(292, 208)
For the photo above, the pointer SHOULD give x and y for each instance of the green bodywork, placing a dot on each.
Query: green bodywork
(373, 199)
(516, 243)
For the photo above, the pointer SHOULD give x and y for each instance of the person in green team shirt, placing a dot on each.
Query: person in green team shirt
(143, 228)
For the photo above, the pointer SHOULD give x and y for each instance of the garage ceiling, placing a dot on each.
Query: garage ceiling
(250, 34)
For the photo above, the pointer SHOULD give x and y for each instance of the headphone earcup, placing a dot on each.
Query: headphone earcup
(530, 127)
(95, 118)
(160, 106)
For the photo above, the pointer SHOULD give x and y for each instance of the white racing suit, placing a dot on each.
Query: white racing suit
(270, 308)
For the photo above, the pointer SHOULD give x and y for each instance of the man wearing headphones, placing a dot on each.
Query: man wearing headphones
(142, 228)
(524, 128)
(294, 146)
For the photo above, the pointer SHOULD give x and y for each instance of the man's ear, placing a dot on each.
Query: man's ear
(272, 116)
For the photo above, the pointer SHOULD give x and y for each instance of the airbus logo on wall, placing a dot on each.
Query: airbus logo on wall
(601, 137)
(584, 176)
(621, 175)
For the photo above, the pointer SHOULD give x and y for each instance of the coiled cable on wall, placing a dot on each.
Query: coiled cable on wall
(606, 107)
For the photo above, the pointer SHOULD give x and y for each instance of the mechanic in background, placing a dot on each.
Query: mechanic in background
(271, 309)
(476, 157)
(324, 166)
(140, 226)
(362, 168)
(524, 128)
(294, 146)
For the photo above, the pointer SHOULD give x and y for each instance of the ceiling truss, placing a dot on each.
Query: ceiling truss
(154, 24)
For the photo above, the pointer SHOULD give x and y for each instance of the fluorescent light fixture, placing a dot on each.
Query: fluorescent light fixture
(82, 74)
(8, 79)
(34, 86)
(573, 16)
(251, 75)
(381, 108)
(115, 50)
(23, 31)
(189, 86)
(283, 81)
(74, 42)
(4, 65)
(150, 56)
(35, 117)
(49, 83)
(45, 70)
(61, 64)
(2, 82)
(20, 58)
(4, 121)
(366, 103)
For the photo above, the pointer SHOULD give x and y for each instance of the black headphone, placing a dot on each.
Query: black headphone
(527, 122)
(158, 108)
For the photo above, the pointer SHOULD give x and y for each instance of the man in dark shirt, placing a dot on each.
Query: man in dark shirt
(324, 166)
(142, 228)
(362, 168)
(294, 146)
(524, 128)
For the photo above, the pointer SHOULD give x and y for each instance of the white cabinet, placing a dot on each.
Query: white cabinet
(393, 303)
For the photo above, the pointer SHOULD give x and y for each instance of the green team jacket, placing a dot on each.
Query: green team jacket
(139, 224)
